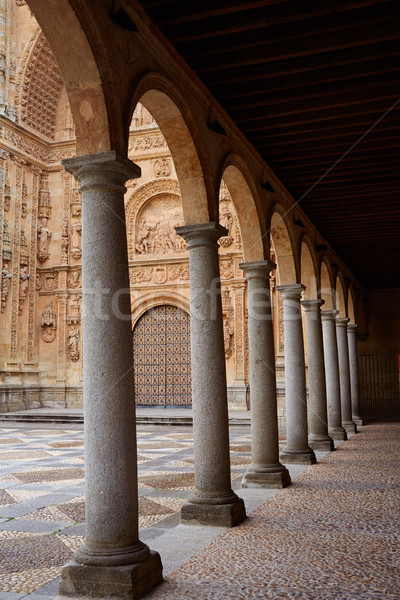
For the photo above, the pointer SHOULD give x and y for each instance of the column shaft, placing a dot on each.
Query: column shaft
(213, 502)
(318, 438)
(113, 560)
(297, 449)
(355, 397)
(335, 428)
(344, 374)
(265, 469)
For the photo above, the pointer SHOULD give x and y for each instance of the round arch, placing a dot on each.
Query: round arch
(90, 99)
(340, 296)
(161, 99)
(282, 244)
(326, 291)
(239, 183)
(308, 269)
(350, 305)
(154, 299)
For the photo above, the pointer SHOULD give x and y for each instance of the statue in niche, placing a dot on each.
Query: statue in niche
(44, 235)
(226, 269)
(23, 287)
(228, 335)
(74, 279)
(5, 286)
(76, 241)
(74, 337)
(48, 323)
(7, 197)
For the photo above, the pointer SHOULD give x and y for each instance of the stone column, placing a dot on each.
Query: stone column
(317, 409)
(113, 561)
(297, 449)
(265, 469)
(213, 502)
(335, 428)
(355, 398)
(344, 374)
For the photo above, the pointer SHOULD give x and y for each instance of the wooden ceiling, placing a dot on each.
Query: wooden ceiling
(314, 85)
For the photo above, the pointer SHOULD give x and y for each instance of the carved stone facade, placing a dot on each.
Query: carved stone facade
(41, 234)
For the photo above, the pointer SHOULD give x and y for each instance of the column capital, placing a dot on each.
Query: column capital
(258, 269)
(104, 168)
(202, 234)
(342, 321)
(352, 327)
(312, 305)
(329, 315)
(291, 291)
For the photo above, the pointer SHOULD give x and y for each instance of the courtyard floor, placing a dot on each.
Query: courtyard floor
(333, 534)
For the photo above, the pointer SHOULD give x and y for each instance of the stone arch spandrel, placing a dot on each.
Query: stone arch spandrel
(326, 287)
(162, 103)
(88, 92)
(340, 297)
(157, 298)
(308, 269)
(253, 241)
(283, 249)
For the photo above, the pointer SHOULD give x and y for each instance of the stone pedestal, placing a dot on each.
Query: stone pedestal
(297, 449)
(213, 502)
(344, 375)
(335, 427)
(318, 438)
(265, 469)
(355, 398)
(113, 561)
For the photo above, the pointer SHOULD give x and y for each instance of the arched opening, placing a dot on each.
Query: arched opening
(308, 271)
(179, 140)
(350, 305)
(326, 290)
(340, 297)
(245, 205)
(161, 344)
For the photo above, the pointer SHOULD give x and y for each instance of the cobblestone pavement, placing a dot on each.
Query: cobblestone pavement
(333, 534)
(42, 509)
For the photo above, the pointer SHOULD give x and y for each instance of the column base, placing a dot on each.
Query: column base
(350, 427)
(129, 582)
(358, 421)
(218, 515)
(337, 433)
(324, 444)
(305, 457)
(259, 478)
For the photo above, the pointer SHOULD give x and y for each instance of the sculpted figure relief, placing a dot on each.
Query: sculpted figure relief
(228, 335)
(74, 337)
(44, 235)
(76, 242)
(48, 323)
(23, 287)
(5, 286)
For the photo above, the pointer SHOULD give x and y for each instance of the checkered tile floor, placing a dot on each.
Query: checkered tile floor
(42, 507)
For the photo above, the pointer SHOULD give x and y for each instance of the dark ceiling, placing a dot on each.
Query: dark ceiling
(315, 87)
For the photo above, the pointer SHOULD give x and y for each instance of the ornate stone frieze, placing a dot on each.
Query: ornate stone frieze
(159, 274)
(144, 144)
(48, 323)
(16, 262)
(32, 267)
(7, 250)
(47, 282)
(239, 332)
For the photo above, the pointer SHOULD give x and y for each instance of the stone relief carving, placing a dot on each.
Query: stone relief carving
(43, 235)
(47, 281)
(141, 144)
(74, 315)
(73, 339)
(24, 201)
(44, 196)
(226, 268)
(227, 307)
(162, 167)
(228, 338)
(76, 242)
(74, 280)
(141, 118)
(64, 242)
(23, 287)
(24, 252)
(226, 220)
(179, 272)
(156, 224)
(48, 323)
(5, 286)
(7, 197)
(7, 252)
